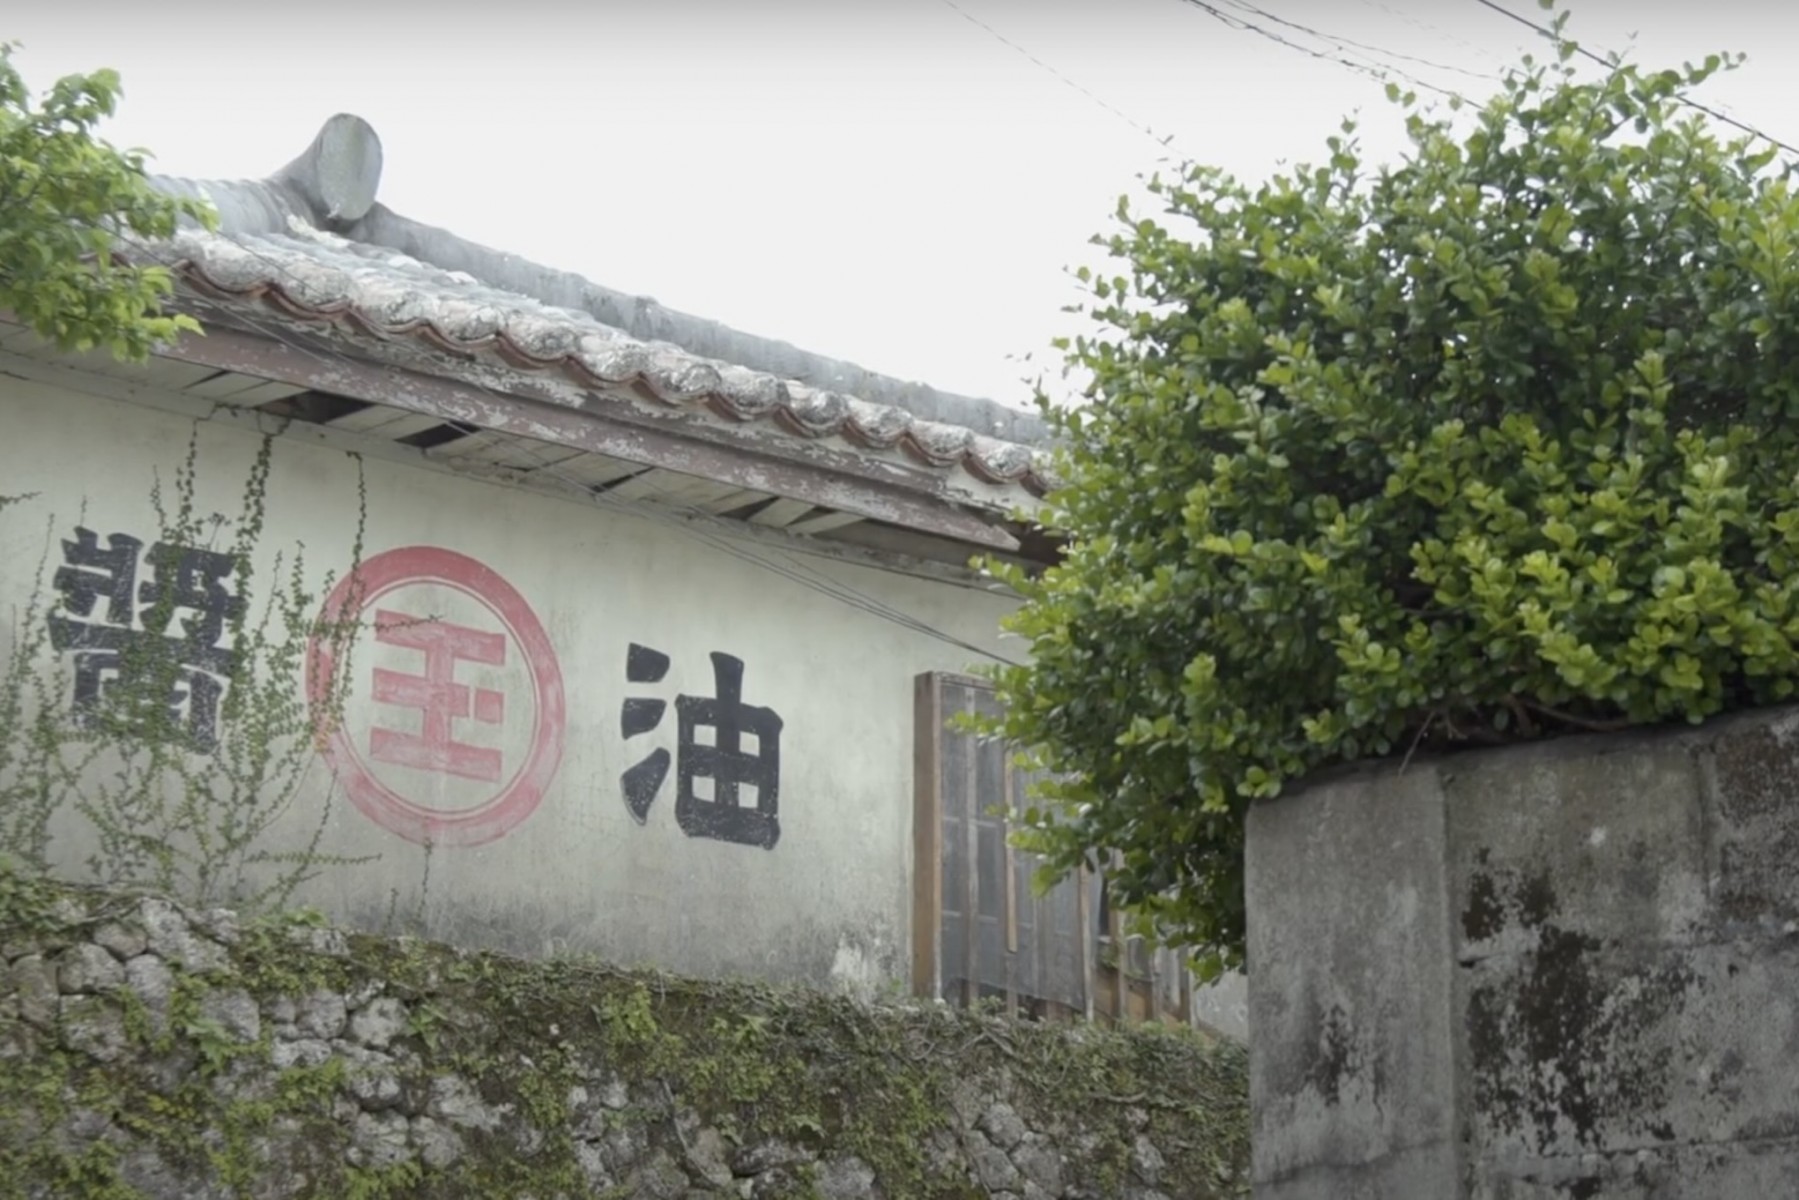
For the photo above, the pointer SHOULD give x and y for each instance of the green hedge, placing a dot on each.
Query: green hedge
(1497, 442)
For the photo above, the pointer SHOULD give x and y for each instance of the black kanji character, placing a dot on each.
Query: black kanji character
(641, 715)
(194, 580)
(88, 573)
(119, 665)
(725, 767)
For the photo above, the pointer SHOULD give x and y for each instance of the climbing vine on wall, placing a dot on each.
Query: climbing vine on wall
(153, 710)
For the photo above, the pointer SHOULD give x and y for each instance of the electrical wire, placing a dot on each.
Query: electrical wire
(1344, 42)
(1581, 50)
(1425, 26)
(1088, 93)
(1376, 71)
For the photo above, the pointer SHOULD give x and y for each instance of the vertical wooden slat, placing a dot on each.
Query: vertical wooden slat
(1085, 936)
(971, 899)
(971, 940)
(1045, 982)
(1121, 975)
(1155, 988)
(1044, 922)
(1009, 868)
(927, 837)
(1011, 860)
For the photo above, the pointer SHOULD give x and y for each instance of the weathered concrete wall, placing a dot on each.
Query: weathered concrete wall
(515, 810)
(149, 1052)
(1561, 971)
(1223, 1006)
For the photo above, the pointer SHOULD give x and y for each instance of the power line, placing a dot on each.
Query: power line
(1344, 42)
(1581, 50)
(1424, 26)
(1003, 39)
(1376, 71)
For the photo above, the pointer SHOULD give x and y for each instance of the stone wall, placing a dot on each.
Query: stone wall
(149, 1051)
(1563, 971)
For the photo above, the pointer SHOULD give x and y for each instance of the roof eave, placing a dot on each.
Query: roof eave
(481, 391)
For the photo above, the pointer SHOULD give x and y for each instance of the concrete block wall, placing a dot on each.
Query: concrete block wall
(1567, 970)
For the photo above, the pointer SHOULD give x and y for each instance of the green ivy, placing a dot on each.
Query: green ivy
(1496, 442)
(754, 1062)
(126, 779)
(66, 197)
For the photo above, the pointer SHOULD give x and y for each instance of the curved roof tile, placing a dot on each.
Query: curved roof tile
(318, 276)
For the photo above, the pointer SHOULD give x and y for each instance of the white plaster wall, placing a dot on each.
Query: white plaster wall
(830, 902)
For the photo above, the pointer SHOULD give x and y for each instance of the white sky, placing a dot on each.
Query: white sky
(878, 180)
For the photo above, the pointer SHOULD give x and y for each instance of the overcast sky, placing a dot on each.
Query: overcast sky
(902, 183)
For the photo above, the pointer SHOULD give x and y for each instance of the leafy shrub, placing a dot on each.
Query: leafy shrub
(66, 197)
(1500, 441)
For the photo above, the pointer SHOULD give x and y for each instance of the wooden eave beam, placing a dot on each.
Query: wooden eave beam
(544, 418)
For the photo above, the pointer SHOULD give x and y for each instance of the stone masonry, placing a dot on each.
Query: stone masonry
(154, 1052)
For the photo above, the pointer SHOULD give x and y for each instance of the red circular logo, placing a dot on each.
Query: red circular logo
(434, 743)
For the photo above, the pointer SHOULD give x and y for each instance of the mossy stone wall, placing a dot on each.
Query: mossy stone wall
(150, 1051)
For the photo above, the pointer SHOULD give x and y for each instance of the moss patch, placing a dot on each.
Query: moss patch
(112, 1094)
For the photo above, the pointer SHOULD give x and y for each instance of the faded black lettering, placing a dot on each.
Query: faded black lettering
(154, 658)
(715, 779)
